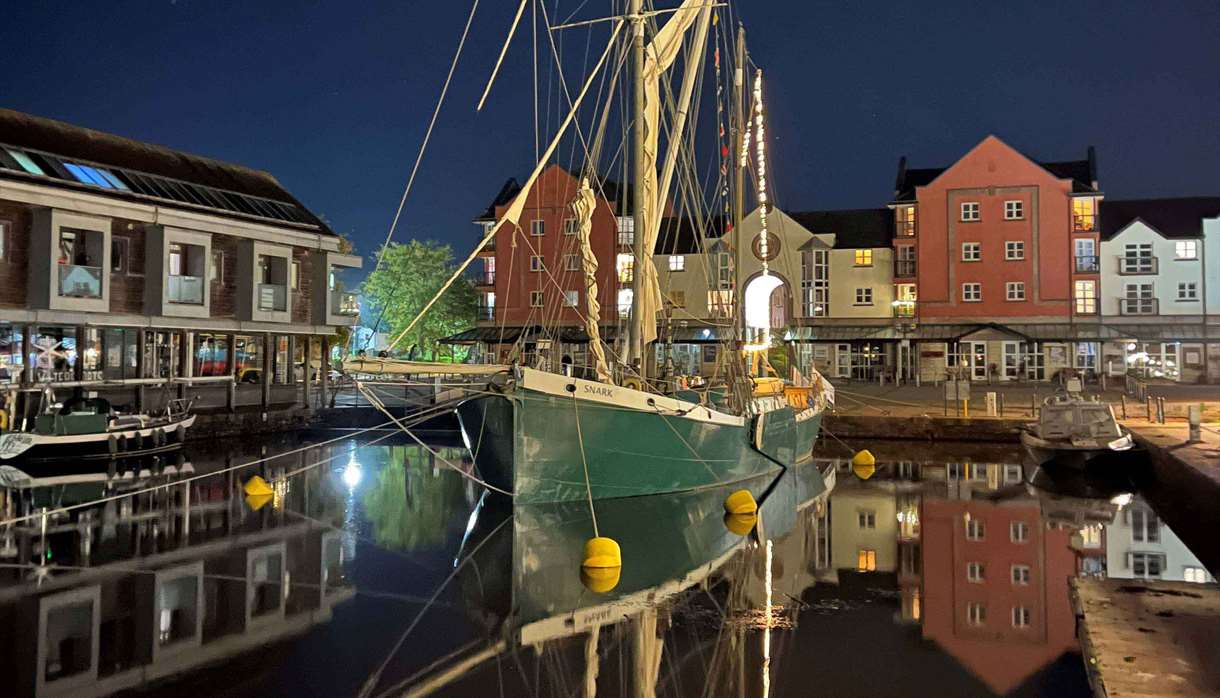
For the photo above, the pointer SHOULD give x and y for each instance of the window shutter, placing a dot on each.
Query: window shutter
(1127, 561)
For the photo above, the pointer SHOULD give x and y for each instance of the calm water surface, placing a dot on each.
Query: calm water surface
(382, 569)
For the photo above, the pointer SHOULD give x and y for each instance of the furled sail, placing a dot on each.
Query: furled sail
(659, 55)
(583, 208)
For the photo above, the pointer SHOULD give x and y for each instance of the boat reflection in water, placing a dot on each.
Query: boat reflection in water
(150, 584)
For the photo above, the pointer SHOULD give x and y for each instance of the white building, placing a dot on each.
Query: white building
(1140, 546)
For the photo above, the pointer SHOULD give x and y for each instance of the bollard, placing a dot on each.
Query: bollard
(1123, 398)
(1033, 406)
(966, 409)
(1148, 408)
(1001, 398)
(1160, 410)
(1195, 417)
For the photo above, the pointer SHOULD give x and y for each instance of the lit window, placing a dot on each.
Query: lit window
(537, 228)
(1014, 249)
(972, 251)
(677, 262)
(570, 227)
(535, 299)
(1014, 210)
(624, 302)
(571, 298)
(571, 262)
(972, 292)
(974, 572)
(536, 263)
(294, 278)
(866, 519)
(1021, 617)
(864, 296)
(906, 221)
(1084, 214)
(1186, 249)
(864, 258)
(1188, 291)
(970, 211)
(625, 265)
(1086, 297)
(1015, 290)
(866, 560)
(976, 614)
(1198, 575)
(1020, 575)
(6, 230)
(720, 303)
(975, 529)
(1018, 531)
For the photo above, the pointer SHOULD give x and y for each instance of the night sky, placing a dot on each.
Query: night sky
(333, 97)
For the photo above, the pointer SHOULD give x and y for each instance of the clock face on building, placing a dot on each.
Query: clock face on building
(772, 247)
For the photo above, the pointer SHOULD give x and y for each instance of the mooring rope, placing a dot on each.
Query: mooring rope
(588, 487)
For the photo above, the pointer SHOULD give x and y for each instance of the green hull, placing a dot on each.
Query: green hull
(528, 442)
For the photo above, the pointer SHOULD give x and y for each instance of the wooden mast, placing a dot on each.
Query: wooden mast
(635, 352)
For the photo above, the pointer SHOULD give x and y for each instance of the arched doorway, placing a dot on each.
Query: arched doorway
(766, 302)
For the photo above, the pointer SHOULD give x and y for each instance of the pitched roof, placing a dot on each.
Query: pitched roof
(505, 195)
(852, 228)
(1082, 173)
(126, 168)
(611, 190)
(680, 235)
(1173, 218)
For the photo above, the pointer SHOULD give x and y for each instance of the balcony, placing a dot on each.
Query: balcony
(1087, 264)
(905, 229)
(1084, 222)
(489, 247)
(76, 281)
(344, 303)
(1130, 266)
(485, 312)
(1138, 306)
(487, 278)
(184, 289)
(904, 310)
(904, 268)
(273, 297)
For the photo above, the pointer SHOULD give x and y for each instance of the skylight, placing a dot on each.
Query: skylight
(26, 163)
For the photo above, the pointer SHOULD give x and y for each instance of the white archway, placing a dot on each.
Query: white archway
(758, 300)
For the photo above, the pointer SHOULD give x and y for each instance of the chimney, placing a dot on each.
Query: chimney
(902, 175)
(1093, 167)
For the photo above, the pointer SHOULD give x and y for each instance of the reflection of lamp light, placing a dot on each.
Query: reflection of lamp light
(352, 474)
(706, 333)
(1131, 346)
(1121, 500)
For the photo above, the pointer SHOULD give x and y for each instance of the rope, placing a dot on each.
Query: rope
(580, 438)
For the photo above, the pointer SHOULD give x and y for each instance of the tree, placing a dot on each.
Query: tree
(409, 275)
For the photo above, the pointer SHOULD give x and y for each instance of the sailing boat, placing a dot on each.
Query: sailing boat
(548, 437)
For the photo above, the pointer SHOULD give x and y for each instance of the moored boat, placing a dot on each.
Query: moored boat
(1073, 432)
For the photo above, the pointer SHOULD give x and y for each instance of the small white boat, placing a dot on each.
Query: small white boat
(1073, 432)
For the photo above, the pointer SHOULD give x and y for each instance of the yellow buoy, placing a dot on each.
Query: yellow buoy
(600, 579)
(258, 487)
(863, 464)
(740, 502)
(602, 552)
(257, 501)
(740, 524)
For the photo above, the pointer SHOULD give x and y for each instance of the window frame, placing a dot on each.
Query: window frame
(1022, 617)
(976, 572)
(6, 239)
(862, 257)
(537, 227)
(537, 299)
(677, 262)
(1194, 250)
(866, 519)
(1013, 527)
(1089, 301)
(536, 263)
(1020, 575)
(970, 212)
(116, 243)
(570, 226)
(1014, 250)
(977, 289)
(1010, 287)
(571, 262)
(864, 296)
(1012, 205)
(1192, 287)
(975, 250)
(571, 298)
(216, 268)
(976, 530)
(976, 614)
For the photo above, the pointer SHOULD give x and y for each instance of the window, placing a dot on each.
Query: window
(970, 211)
(1086, 256)
(569, 226)
(975, 529)
(6, 231)
(536, 263)
(972, 251)
(1014, 250)
(118, 255)
(27, 163)
(1198, 575)
(866, 518)
(974, 572)
(905, 216)
(571, 298)
(217, 273)
(571, 262)
(1021, 617)
(904, 301)
(625, 297)
(720, 303)
(864, 258)
(866, 560)
(294, 275)
(972, 292)
(1137, 259)
(1018, 531)
(1012, 473)
(1020, 575)
(1084, 214)
(864, 296)
(626, 230)
(976, 614)
(1145, 526)
(1188, 291)
(536, 299)
(211, 354)
(625, 264)
(1014, 210)
(1015, 290)
(1086, 297)
(1145, 565)
(815, 283)
(1186, 249)
(677, 262)
(537, 228)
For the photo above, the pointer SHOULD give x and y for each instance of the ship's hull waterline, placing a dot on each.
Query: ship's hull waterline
(528, 441)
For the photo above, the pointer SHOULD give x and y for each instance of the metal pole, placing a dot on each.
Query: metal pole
(1001, 404)
(635, 352)
(739, 184)
(1148, 409)
(1123, 399)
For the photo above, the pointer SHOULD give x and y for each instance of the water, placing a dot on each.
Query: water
(939, 571)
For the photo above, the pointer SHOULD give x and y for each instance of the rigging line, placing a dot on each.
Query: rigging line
(427, 136)
(166, 485)
(507, 40)
(371, 682)
(580, 439)
(494, 229)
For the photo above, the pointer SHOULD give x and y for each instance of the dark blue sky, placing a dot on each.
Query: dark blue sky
(333, 97)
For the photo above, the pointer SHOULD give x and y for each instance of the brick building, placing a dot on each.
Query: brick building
(142, 273)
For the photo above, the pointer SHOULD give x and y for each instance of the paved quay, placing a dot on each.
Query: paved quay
(1148, 638)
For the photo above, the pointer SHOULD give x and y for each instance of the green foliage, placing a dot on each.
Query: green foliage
(413, 500)
(410, 274)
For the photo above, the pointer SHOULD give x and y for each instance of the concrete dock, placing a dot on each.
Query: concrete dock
(1149, 638)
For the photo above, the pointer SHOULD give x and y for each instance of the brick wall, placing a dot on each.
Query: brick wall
(224, 294)
(14, 267)
(127, 286)
(302, 295)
